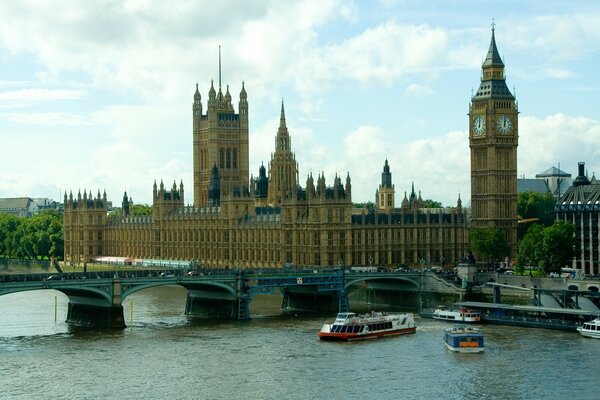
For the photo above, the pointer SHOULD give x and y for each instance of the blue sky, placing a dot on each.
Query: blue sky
(97, 95)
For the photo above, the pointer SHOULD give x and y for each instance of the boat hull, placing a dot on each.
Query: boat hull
(465, 316)
(350, 326)
(468, 350)
(344, 337)
(589, 334)
(464, 339)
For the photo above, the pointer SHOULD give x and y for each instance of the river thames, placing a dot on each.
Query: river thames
(165, 355)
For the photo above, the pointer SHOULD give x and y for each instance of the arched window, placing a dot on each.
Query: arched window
(234, 166)
(228, 158)
(221, 158)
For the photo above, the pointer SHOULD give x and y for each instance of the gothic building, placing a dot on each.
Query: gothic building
(237, 220)
(493, 139)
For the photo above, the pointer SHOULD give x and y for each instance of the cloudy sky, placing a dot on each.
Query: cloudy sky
(98, 95)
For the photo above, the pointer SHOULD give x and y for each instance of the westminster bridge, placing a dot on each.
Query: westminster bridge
(96, 298)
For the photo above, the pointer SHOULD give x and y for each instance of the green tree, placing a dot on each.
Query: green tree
(8, 226)
(141, 209)
(489, 243)
(551, 248)
(428, 203)
(40, 236)
(530, 248)
(558, 246)
(136, 209)
(534, 207)
(368, 205)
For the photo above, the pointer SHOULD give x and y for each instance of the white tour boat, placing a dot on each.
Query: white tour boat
(460, 315)
(350, 326)
(590, 329)
(464, 339)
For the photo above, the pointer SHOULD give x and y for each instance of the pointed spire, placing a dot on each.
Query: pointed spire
(243, 94)
(211, 92)
(282, 115)
(493, 56)
(197, 93)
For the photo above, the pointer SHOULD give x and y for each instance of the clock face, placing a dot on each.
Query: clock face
(504, 124)
(479, 125)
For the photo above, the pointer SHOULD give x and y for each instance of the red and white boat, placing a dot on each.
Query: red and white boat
(350, 326)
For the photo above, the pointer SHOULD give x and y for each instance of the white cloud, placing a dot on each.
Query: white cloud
(558, 73)
(45, 118)
(557, 139)
(417, 90)
(28, 97)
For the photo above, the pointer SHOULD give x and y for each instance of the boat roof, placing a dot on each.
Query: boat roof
(569, 311)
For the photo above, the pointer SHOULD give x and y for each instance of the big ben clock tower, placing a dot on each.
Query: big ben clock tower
(493, 139)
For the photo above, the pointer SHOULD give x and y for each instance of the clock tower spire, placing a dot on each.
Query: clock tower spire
(493, 139)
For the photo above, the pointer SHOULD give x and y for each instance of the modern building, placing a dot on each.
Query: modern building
(493, 139)
(580, 204)
(272, 220)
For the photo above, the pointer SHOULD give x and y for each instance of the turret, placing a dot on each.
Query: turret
(581, 179)
(125, 205)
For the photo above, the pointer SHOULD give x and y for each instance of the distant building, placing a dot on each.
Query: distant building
(557, 181)
(19, 206)
(580, 204)
(532, 185)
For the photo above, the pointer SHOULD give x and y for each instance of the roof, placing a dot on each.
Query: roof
(551, 172)
(494, 88)
(532, 185)
(580, 196)
(493, 56)
(15, 202)
(570, 311)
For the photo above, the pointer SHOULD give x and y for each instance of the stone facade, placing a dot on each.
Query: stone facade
(271, 221)
(493, 139)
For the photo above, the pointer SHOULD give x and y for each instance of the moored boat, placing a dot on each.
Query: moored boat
(350, 326)
(464, 339)
(461, 315)
(590, 329)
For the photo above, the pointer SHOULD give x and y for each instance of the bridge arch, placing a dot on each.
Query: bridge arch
(128, 289)
(357, 280)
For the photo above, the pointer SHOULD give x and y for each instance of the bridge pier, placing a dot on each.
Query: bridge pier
(92, 310)
(204, 301)
(307, 302)
(95, 316)
(210, 308)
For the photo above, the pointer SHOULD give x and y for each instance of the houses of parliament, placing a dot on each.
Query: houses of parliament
(275, 219)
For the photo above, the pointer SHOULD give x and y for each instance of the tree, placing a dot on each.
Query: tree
(551, 248)
(558, 246)
(141, 209)
(489, 243)
(35, 237)
(8, 226)
(368, 205)
(534, 206)
(530, 248)
(136, 209)
(428, 203)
